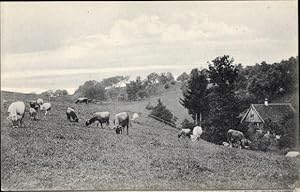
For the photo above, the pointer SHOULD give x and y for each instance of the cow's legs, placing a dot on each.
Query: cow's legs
(127, 129)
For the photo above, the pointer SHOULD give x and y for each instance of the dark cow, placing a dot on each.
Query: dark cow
(71, 115)
(34, 105)
(101, 117)
(237, 139)
(82, 100)
(185, 132)
(121, 121)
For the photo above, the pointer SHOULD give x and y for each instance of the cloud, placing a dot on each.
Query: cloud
(107, 39)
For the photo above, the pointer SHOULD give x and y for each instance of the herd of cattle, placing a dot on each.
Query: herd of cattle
(16, 112)
(121, 121)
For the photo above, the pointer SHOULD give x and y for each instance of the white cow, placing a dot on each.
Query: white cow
(46, 107)
(197, 132)
(40, 101)
(135, 117)
(16, 112)
(292, 154)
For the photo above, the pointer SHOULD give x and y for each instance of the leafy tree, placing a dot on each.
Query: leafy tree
(136, 89)
(61, 92)
(163, 78)
(183, 77)
(113, 80)
(170, 77)
(194, 96)
(92, 89)
(223, 110)
(152, 78)
(273, 80)
(222, 72)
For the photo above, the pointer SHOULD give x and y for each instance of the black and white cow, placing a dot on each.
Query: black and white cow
(34, 105)
(82, 100)
(71, 115)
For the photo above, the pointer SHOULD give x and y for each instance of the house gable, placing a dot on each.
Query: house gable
(252, 116)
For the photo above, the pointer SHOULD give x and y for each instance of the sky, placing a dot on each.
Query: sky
(60, 45)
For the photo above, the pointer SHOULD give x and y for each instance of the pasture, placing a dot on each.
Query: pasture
(55, 154)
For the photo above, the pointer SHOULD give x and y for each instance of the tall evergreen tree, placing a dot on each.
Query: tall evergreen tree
(194, 97)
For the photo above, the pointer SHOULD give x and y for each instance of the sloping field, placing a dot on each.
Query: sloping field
(54, 154)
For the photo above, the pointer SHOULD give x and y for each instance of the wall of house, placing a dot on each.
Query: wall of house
(252, 117)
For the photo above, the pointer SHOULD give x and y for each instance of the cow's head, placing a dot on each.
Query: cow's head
(14, 119)
(118, 129)
(87, 123)
(245, 143)
(76, 120)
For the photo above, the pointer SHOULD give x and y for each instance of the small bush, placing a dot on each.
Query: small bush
(173, 82)
(149, 106)
(186, 124)
(167, 86)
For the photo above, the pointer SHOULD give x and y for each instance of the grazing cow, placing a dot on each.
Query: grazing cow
(32, 113)
(46, 107)
(237, 139)
(121, 121)
(40, 101)
(34, 105)
(197, 132)
(71, 115)
(185, 132)
(82, 100)
(16, 112)
(225, 144)
(101, 117)
(292, 154)
(119, 130)
(135, 117)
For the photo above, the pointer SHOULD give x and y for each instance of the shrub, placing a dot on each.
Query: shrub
(173, 82)
(167, 86)
(149, 106)
(161, 111)
(142, 94)
(186, 124)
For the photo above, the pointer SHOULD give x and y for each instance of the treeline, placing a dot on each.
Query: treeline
(113, 87)
(217, 96)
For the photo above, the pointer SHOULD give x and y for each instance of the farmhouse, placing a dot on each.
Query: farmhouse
(258, 114)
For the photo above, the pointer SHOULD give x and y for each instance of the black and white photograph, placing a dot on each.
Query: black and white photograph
(149, 96)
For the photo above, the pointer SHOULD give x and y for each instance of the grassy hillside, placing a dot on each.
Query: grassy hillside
(54, 154)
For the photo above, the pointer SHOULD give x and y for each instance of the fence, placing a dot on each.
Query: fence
(163, 121)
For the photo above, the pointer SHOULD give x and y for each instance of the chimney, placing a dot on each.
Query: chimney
(266, 102)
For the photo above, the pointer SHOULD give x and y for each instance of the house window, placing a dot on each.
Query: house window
(251, 116)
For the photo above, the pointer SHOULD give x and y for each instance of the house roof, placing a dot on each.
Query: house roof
(274, 111)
